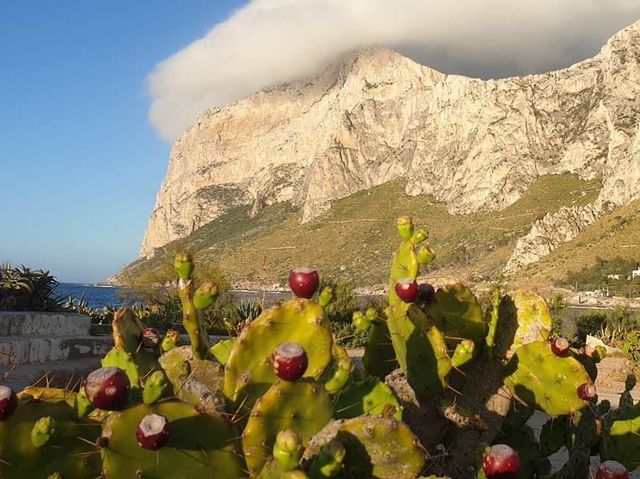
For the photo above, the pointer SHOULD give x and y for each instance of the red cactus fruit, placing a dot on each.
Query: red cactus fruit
(304, 282)
(407, 289)
(153, 432)
(560, 347)
(8, 402)
(107, 388)
(501, 462)
(426, 293)
(290, 361)
(612, 470)
(586, 391)
(150, 337)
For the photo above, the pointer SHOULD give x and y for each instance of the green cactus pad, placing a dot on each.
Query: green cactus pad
(380, 447)
(554, 434)
(196, 381)
(124, 360)
(456, 312)
(65, 452)
(249, 372)
(546, 381)
(301, 406)
(328, 462)
(222, 349)
(622, 438)
(379, 356)
(199, 445)
(523, 317)
(367, 397)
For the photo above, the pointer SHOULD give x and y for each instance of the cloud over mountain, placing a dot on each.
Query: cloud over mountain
(273, 41)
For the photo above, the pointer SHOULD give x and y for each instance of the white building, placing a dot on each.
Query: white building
(635, 273)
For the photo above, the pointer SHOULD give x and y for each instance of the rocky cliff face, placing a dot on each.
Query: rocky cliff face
(377, 116)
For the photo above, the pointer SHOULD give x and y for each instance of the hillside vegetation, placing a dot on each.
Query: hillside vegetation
(355, 239)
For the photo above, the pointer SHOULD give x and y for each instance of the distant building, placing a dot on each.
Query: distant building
(613, 276)
(635, 273)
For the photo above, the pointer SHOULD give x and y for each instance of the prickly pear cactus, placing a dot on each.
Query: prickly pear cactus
(380, 447)
(622, 439)
(369, 396)
(545, 381)
(302, 406)
(341, 372)
(199, 445)
(59, 444)
(249, 372)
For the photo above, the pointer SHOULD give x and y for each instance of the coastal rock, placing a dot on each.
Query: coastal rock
(376, 116)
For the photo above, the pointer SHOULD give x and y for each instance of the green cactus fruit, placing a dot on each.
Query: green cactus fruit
(302, 406)
(272, 470)
(546, 381)
(360, 321)
(183, 264)
(127, 329)
(369, 396)
(379, 356)
(196, 381)
(338, 375)
(524, 318)
(622, 438)
(43, 430)
(29, 448)
(456, 312)
(287, 450)
(425, 255)
(555, 434)
(249, 372)
(325, 296)
(205, 295)
(171, 340)
(380, 447)
(222, 349)
(328, 462)
(463, 353)
(420, 235)
(404, 224)
(200, 445)
(156, 385)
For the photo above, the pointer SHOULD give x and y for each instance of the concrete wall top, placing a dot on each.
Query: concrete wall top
(35, 323)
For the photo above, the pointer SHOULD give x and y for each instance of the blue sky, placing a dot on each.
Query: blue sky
(79, 163)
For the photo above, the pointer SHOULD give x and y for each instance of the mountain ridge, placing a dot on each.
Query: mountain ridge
(376, 116)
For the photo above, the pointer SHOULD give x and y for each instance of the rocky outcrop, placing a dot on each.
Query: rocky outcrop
(377, 116)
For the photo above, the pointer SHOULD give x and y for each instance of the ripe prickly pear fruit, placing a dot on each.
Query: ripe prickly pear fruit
(183, 264)
(108, 388)
(405, 227)
(42, 431)
(587, 391)
(290, 361)
(501, 462)
(407, 289)
(153, 432)
(304, 282)
(287, 450)
(560, 347)
(205, 295)
(150, 338)
(426, 293)
(8, 402)
(612, 470)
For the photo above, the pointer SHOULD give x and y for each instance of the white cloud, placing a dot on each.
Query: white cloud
(273, 41)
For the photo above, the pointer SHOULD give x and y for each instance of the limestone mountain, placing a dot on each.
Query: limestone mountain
(376, 117)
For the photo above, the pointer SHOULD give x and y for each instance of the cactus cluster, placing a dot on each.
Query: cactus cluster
(445, 390)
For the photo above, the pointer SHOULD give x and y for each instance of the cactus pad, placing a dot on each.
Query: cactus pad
(65, 452)
(456, 312)
(623, 438)
(200, 445)
(127, 329)
(546, 381)
(301, 406)
(380, 447)
(249, 372)
(222, 349)
(341, 371)
(367, 397)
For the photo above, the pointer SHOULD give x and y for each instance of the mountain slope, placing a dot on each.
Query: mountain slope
(376, 117)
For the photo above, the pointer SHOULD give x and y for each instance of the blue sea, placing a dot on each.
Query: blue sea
(95, 296)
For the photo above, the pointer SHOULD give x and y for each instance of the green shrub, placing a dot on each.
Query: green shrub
(24, 289)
